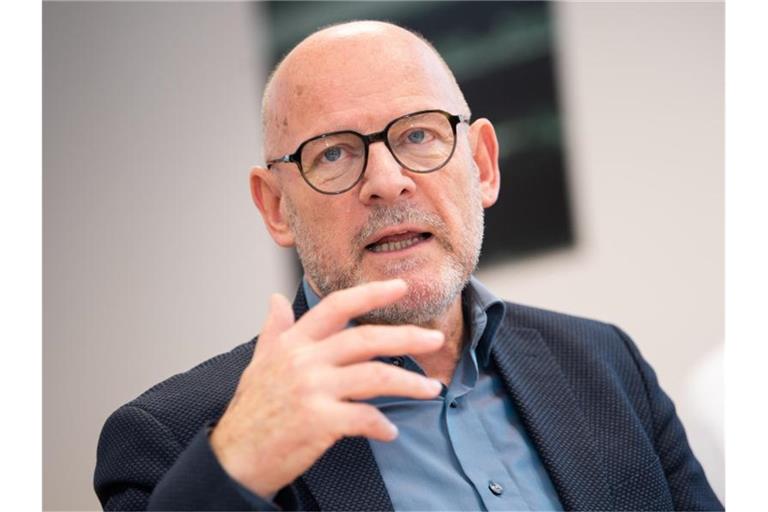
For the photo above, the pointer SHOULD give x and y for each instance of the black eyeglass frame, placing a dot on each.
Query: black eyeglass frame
(369, 139)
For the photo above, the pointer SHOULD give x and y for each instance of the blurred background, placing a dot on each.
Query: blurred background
(610, 119)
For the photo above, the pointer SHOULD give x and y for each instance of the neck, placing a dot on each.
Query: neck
(440, 365)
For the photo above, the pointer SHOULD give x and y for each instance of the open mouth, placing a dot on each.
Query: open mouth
(398, 242)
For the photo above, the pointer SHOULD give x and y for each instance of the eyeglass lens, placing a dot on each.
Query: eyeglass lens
(420, 143)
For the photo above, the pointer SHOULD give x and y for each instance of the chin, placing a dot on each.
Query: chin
(418, 272)
(429, 296)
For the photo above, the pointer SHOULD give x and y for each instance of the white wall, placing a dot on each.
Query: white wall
(155, 258)
(643, 94)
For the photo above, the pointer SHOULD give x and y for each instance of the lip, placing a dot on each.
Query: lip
(398, 252)
(394, 230)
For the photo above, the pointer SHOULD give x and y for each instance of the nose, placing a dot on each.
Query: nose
(385, 180)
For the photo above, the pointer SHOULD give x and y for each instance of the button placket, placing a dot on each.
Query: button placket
(482, 464)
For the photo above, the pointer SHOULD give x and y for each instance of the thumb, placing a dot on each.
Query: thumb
(279, 318)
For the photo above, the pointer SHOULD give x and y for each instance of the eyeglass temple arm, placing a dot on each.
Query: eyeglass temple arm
(281, 160)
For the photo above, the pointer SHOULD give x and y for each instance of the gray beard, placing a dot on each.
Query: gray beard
(426, 300)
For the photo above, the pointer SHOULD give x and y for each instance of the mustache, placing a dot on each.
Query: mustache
(381, 217)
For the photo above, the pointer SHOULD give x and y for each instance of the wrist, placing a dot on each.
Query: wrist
(239, 467)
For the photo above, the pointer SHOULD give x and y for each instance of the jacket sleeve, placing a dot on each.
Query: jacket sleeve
(142, 466)
(685, 476)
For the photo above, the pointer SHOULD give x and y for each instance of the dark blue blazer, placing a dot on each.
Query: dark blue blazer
(607, 434)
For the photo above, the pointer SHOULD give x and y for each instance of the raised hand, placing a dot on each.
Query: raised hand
(297, 396)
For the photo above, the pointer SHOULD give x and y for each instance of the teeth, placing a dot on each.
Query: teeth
(395, 246)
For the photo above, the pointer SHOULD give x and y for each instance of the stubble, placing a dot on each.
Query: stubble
(429, 296)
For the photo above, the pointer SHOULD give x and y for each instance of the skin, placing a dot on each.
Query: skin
(293, 400)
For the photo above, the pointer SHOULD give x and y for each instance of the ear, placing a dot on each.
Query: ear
(267, 196)
(485, 153)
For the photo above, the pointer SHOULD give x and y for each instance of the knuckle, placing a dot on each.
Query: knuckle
(281, 341)
(382, 374)
(307, 386)
(337, 427)
(371, 420)
(299, 359)
(368, 333)
(293, 363)
(334, 299)
(310, 407)
(401, 335)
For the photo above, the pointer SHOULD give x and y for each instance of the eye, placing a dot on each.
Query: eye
(329, 157)
(334, 151)
(332, 154)
(416, 136)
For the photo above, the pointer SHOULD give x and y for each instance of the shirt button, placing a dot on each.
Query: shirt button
(398, 361)
(496, 488)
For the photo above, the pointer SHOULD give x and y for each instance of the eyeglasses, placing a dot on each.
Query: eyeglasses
(334, 162)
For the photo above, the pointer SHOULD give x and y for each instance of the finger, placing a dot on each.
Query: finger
(279, 319)
(353, 419)
(334, 312)
(368, 380)
(368, 341)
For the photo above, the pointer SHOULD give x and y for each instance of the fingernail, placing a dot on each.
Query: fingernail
(393, 429)
(435, 385)
(434, 335)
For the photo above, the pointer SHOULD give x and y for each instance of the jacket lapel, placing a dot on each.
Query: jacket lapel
(346, 477)
(300, 303)
(552, 418)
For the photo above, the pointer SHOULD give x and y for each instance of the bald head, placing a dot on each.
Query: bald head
(351, 66)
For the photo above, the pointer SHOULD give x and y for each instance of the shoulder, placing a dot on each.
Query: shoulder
(585, 349)
(186, 401)
(560, 328)
(143, 439)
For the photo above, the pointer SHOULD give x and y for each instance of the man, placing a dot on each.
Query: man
(396, 381)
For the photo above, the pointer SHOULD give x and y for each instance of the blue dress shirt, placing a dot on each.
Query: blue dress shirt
(466, 449)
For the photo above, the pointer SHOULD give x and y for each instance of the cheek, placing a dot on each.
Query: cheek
(458, 193)
(328, 222)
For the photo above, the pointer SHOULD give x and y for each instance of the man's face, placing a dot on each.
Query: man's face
(339, 251)
(424, 228)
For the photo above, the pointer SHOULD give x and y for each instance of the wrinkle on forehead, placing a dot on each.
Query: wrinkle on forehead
(344, 67)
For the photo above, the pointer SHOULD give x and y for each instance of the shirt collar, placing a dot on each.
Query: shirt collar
(309, 293)
(482, 309)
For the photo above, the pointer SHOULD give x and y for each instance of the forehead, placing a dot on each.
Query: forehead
(357, 82)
